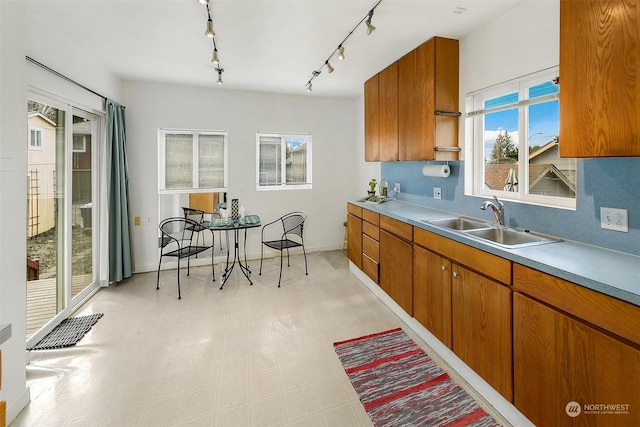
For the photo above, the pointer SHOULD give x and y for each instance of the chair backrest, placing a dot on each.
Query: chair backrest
(195, 214)
(178, 230)
(293, 223)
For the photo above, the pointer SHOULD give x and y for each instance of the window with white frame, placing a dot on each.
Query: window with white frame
(514, 130)
(192, 160)
(283, 161)
(35, 138)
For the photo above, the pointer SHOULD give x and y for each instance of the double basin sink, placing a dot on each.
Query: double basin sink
(491, 233)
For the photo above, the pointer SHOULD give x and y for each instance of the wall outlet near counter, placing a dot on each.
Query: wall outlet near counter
(614, 219)
(437, 193)
(396, 188)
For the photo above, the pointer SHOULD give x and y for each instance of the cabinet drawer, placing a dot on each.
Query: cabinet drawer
(399, 228)
(371, 248)
(618, 317)
(488, 264)
(372, 217)
(354, 210)
(370, 268)
(371, 230)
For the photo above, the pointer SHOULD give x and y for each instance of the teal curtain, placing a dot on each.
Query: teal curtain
(117, 194)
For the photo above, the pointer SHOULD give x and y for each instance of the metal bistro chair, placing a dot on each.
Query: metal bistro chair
(198, 216)
(177, 241)
(292, 237)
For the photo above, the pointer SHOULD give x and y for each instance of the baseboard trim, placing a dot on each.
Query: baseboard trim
(18, 405)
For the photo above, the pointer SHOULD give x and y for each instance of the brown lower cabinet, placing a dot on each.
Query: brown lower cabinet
(354, 239)
(396, 272)
(559, 360)
(482, 327)
(432, 293)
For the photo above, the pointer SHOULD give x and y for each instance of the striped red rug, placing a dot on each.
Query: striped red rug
(399, 385)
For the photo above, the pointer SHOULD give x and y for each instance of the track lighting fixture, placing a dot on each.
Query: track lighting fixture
(215, 59)
(219, 71)
(329, 67)
(209, 32)
(370, 27)
(339, 51)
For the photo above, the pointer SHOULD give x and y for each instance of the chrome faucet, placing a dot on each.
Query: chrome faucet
(498, 209)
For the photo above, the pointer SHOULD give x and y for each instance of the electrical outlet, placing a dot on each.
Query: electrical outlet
(396, 188)
(437, 193)
(614, 219)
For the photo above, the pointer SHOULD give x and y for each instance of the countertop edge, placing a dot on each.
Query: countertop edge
(515, 255)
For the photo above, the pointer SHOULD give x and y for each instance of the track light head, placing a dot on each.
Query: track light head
(215, 59)
(309, 87)
(220, 71)
(329, 67)
(340, 53)
(210, 32)
(370, 27)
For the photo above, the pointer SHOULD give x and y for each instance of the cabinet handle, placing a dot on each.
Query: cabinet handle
(443, 267)
(455, 274)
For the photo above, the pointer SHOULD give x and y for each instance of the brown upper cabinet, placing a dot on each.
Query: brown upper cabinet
(428, 101)
(599, 78)
(411, 107)
(381, 116)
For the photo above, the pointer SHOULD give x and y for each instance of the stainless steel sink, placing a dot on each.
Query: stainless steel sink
(491, 232)
(460, 223)
(508, 237)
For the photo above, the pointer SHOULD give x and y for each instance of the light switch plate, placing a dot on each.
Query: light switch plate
(614, 219)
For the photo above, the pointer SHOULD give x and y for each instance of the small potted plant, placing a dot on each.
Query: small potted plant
(372, 186)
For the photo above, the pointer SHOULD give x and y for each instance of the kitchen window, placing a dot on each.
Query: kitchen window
(192, 161)
(514, 132)
(283, 161)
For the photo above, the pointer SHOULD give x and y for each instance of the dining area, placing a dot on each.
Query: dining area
(222, 235)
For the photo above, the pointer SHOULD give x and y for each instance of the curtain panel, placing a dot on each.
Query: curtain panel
(120, 264)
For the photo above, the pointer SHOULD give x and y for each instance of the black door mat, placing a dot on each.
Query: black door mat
(67, 333)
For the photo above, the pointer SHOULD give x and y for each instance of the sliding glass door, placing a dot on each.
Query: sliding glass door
(61, 196)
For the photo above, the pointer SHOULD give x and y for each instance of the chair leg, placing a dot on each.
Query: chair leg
(280, 277)
(306, 269)
(213, 255)
(158, 280)
(179, 295)
(261, 254)
(288, 265)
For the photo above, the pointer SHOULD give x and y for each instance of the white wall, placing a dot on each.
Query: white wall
(522, 41)
(331, 121)
(13, 150)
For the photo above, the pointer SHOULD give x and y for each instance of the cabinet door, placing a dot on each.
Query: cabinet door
(600, 78)
(482, 327)
(354, 242)
(559, 359)
(388, 93)
(396, 270)
(371, 120)
(432, 293)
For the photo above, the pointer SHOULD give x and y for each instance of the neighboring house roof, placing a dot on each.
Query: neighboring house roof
(495, 175)
(39, 115)
(549, 145)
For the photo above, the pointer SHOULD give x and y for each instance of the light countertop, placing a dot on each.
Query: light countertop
(613, 273)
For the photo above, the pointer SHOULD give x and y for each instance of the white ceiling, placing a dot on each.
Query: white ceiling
(264, 45)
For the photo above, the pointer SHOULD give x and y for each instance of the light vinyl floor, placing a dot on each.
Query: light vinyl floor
(242, 356)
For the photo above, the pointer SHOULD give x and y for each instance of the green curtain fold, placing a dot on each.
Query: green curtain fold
(120, 264)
